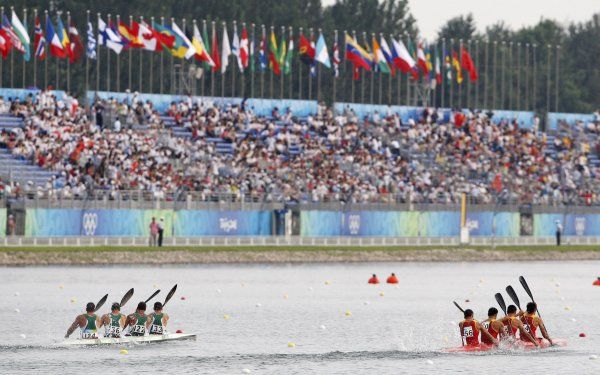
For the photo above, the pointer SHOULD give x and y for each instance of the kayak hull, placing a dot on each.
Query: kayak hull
(510, 346)
(128, 339)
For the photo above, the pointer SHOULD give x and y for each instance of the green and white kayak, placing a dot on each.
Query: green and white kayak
(128, 339)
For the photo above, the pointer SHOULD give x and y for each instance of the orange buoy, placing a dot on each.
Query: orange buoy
(392, 279)
(582, 334)
(374, 280)
(597, 282)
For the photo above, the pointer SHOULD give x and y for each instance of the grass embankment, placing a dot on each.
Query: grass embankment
(317, 248)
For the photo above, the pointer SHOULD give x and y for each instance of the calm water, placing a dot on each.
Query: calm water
(402, 331)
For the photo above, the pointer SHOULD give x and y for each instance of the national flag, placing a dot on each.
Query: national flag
(206, 41)
(5, 44)
(56, 47)
(387, 53)
(336, 59)
(448, 67)
(287, 67)
(313, 66)
(15, 41)
(148, 37)
(281, 53)
(131, 33)
(235, 49)
(21, 32)
(165, 37)
(273, 54)
(468, 65)
(39, 41)
(183, 43)
(456, 65)
(173, 42)
(413, 53)
(76, 43)
(262, 52)
(306, 51)
(244, 53)
(251, 56)
(63, 35)
(225, 51)
(321, 52)
(201, 50)
(402, 58)
(380, 60)
(357, 55)
(422, 60)
(91, 42)
(438, 68)
(215, 52)
(107, 37)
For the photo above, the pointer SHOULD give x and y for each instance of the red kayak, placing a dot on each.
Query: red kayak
(510, 346)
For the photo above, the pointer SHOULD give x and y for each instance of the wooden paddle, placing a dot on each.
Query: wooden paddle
(152, 296)
(171, 292)
(101, 302)
(513, 296)
(126, 297)
(462, 338)
(501, 302)
(526, 287)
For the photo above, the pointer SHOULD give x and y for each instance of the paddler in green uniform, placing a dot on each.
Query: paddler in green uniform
(138, 320)
(88, 322)
(157, 321)
(114, 321)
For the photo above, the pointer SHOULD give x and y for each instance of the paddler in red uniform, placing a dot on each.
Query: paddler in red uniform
(514, 324)
(493, 326)
(531, 322)
(470, 329)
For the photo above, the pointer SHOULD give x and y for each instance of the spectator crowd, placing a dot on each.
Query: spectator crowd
(117, 147)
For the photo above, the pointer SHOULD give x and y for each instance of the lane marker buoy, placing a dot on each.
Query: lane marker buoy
(17, 294)
(291, 345)
(246, 371)
(322, 327)
(17, 310)
(348, 313)
(23, 335)
(225, 316)
(123, 351)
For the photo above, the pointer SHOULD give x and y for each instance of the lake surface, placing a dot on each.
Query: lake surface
(269, 307)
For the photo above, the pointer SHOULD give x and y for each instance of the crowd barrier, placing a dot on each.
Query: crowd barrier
(22, 94)
(571, 118)
(59, 222)
(261, 107)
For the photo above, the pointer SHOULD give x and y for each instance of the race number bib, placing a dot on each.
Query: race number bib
(486, 325)
(156, 330)
(89, 335)
(138, 329)
(113, 331)
(468, 331)
(527, 328)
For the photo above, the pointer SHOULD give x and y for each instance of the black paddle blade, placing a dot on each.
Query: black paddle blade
(526, 287)
(171, 292)
(513, 296)
(152, 296)
(101, 302)
(460, 308)
(126, 297)
(500, 301)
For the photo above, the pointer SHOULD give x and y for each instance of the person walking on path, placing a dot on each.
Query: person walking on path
(153, 232)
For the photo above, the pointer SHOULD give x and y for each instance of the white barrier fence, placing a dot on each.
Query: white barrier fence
(292, 241)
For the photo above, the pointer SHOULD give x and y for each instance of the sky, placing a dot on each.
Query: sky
(432, 14)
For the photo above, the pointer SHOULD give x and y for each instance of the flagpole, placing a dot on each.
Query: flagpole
(509, 84)
(460, 98)
(87, 60)
(243, 73)
(518, 70)
(487, 77)
(503, 77)
(282, 69)
(173, 74)
(408, 96)
(291, 83)
(534, 79)
(234, 62)
(527, 88)
(380, 76)
(12, 68)
(35, 15)
(1, 59)
(118, 68)
(478, 82)
(97, 58)
(310, 67)
(182, 75)
(548, 66)
(151, 82)
(129, 58)
(108, 59)
(23, 62)
(344, 80)
(443, 70)
(252, 55)
(362, 77)
(69, 59)
(335, 44)
(469, 103)
(204, 32)
(300, 83)
(212, 72)
(353, 80)
(162, 64)
(557, 81)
